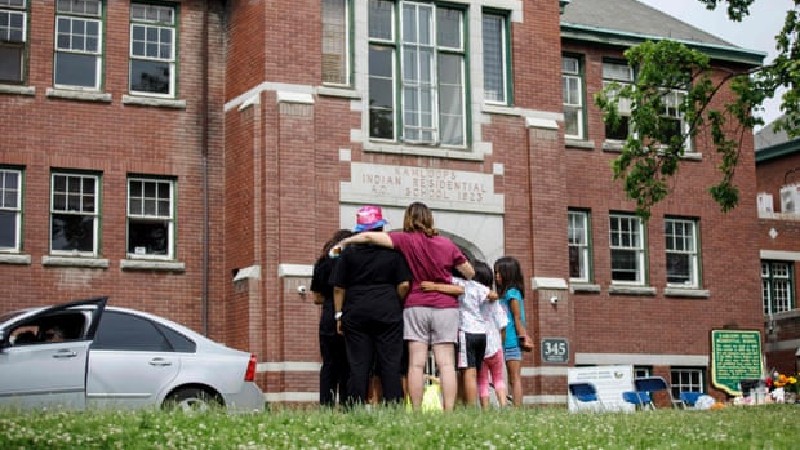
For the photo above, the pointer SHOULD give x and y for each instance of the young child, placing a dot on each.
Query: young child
(473, 327)
(510, 286)
(493, 362)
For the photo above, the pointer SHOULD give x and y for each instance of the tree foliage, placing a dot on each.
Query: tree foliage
(651, 155)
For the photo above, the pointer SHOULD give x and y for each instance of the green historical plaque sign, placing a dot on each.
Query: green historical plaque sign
(735, 356)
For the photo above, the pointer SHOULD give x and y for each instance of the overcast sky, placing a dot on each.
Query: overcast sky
(755, 32)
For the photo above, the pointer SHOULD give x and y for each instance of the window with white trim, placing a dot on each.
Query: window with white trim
(13, 40)
(151, 218)
(79, 44)
(619, 73)
(682, 252)
(336, 42)
(642, 371)
(777, 286)
(627, 249)
(579, 251)
(74, 214)
(429, 106)
(152, 49)
(686, 379)
(495, 61)
(572, 83)
(10, 210)
(673, 125)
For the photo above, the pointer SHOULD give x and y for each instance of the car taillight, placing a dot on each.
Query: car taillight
(250, 374)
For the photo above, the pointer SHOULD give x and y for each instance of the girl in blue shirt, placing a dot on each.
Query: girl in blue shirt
(511, 288)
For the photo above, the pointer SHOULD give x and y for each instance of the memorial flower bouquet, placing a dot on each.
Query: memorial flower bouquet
(787, 382)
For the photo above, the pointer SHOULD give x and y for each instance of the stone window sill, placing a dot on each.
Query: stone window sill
(148, 264)
(584, 288)
(621, 289)
(436, 152)
(18, 90)
(338, 91)
(14, 258)
(506, 110)
(68, 261)
(579, 144)
(87, 96)
(153, 101)
(693, 156)
(686, 292)
(613, 146)
(616, 147)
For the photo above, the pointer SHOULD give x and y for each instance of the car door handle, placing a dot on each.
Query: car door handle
(64, 353)
(160, 362)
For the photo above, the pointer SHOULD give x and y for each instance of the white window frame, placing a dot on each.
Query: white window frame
(9, 9)
(85, 18)
(14, 207)
(672, 99)
(634, 229)
(157, 216)
(422, 80)
(683, 241)
(578, 238)
(682, 380)
(777, 286)
(334, 42)
(92, 210)
(430, 134)
(571, 73)
(642, 371)
(154, 21)
(624, 105)
(503, 91)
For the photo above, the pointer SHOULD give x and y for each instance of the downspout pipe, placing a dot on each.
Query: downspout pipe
(205, 151)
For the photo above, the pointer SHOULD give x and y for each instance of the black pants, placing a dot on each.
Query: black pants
(365, 341)
(334, 372)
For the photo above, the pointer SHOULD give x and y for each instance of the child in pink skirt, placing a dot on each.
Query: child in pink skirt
(493, 361)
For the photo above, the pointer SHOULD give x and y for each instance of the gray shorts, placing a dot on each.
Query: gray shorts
(430, 325)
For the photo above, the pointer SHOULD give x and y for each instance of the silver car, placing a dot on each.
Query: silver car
(84, 355)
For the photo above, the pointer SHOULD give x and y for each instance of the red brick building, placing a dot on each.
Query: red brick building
(190, 158)
(778, 187)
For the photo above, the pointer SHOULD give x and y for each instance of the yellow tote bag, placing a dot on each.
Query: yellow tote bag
(432, 398)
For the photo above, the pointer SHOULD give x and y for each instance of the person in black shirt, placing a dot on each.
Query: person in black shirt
(370, 283)
(334, 370)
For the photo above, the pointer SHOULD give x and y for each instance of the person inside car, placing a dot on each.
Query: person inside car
(53, 334)
(25, 338)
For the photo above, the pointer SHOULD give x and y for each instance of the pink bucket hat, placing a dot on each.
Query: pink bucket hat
(369, 218)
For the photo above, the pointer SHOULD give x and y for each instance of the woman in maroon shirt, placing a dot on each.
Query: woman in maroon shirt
(428, 317)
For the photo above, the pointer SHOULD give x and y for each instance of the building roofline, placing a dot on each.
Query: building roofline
(777, 151)
(628, 39)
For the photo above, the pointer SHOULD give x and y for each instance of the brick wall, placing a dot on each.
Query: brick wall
(274, 191)
(42, 133)
(781, 233)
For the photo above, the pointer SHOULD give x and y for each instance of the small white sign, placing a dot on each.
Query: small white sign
(609, 381)
(140, 250)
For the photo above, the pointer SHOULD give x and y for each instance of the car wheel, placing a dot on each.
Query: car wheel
(191, 400)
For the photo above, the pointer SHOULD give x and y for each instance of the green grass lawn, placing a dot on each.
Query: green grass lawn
(766, 427)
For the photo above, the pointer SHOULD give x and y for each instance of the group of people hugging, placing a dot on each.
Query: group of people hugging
(388, 298)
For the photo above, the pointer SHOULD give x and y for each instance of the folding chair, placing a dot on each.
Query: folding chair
(651, 385)
(639, 399)
(688, 399)
(585, 393)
